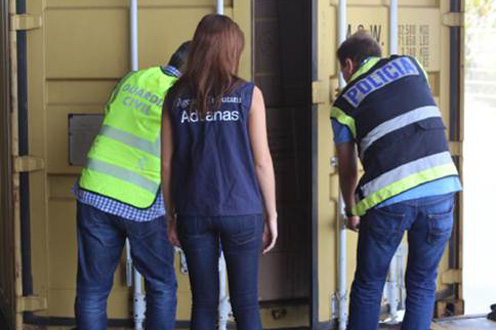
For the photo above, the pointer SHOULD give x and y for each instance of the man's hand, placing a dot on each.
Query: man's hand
(353, 223)
(172, 231)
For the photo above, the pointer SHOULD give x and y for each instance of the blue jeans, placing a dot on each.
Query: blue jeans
(101, 238)
(241, 239)
(429, 222)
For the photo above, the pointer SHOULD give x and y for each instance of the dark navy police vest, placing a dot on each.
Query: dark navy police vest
(397, 127)
(213, 166)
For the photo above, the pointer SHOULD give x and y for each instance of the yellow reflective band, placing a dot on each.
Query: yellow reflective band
(365, 67)
(344, 119)
(423, 70)
(403, 185)
(405, 171)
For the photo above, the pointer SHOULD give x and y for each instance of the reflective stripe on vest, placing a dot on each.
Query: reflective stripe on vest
(397, 123)
(406, 170)
(124, 160)
(344, 119)
(123, 174)
(400, 186)
(152, 148)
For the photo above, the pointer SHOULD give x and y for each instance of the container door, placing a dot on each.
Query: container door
(325, 184)
(74, 59)
(431, 31)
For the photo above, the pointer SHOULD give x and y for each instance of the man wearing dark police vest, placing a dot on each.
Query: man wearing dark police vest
(387, 113)
(119, 196)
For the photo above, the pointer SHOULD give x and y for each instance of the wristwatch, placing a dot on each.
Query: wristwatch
(348, 213)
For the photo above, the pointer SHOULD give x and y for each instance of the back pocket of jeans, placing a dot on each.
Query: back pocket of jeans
(440, 226)
(385, 225)
(246, 233)
(188, 227)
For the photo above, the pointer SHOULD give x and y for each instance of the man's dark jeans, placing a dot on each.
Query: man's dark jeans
(241, 238)
(101, 238)
(429, 222)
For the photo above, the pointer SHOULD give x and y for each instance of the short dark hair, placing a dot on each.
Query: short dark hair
(358, 47)
(180, 56)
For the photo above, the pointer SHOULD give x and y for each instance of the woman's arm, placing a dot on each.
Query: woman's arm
(263, 165)
(167, 150)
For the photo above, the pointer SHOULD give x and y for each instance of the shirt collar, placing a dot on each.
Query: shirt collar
(171, 71)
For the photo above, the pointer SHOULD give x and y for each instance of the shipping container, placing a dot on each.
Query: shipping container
(60, 59)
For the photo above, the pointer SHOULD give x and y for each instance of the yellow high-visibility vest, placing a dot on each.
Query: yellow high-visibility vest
(124, 160)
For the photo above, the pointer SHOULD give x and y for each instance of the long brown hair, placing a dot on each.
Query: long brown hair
(213, 62)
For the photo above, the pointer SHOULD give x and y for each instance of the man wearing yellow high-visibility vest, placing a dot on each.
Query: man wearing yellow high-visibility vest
(119, 197)
(387, 112)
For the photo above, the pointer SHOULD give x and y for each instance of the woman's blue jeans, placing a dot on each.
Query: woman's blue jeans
(429, 223)
(101, 238)
(241, 239)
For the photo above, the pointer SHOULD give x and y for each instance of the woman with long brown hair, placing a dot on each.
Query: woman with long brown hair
(217, 174)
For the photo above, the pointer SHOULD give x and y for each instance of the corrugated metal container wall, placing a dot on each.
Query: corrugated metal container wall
(7, 256)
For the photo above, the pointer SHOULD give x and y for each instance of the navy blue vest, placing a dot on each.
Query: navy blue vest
(397, 127)
(213, 166)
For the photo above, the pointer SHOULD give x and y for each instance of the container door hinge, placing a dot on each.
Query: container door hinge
(334, 306)
(449, 308)
(31, 304)
(454, 19)
(28, 164)
(452, 276)
(25, 22)
(320, 92)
